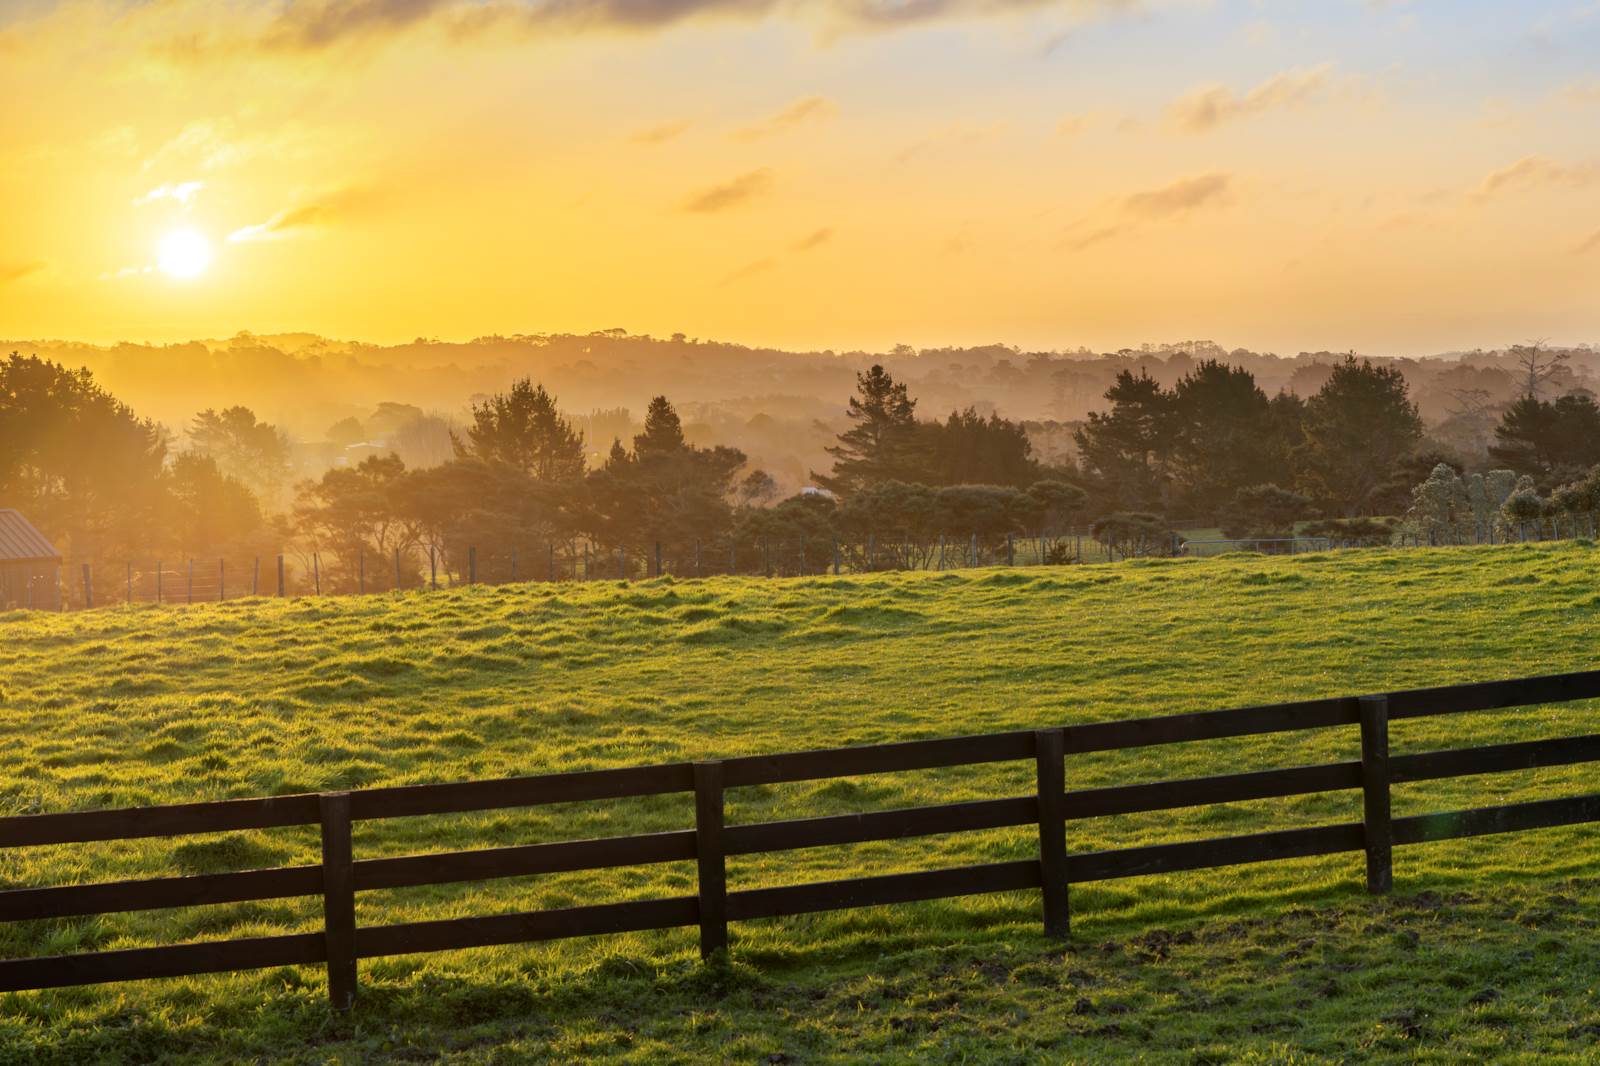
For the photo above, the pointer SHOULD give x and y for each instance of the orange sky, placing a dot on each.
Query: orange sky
(1390, 176)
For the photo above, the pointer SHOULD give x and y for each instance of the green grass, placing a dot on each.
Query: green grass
(1486, 950)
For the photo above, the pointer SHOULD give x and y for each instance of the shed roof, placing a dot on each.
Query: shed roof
(20, 542)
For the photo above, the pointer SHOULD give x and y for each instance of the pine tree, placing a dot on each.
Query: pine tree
(883, 443)
(523, 428)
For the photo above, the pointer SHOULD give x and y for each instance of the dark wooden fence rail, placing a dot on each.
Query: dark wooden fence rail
(340, 876)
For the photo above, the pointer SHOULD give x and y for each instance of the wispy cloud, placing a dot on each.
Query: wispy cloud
(1175, 200)
(305, 216)
(749, 270)
(810, 109)
(740, 190)
(815, 239)
(1537, 171)
(1210, 106)
(10, 272)
(663, 133)
(316, 24)
(183, 192)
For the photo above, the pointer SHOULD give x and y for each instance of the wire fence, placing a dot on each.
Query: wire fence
(313, 572)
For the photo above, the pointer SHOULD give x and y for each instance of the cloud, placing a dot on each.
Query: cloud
(317, 24)
(730, 194)
(1537, 171)
(183, 192)
(749, 270)
(813, 240)
(663, 133)
(1176, 200)
(1589, 244)
(1210, 106)
(310, 215)
(10, 272)
(810, 109)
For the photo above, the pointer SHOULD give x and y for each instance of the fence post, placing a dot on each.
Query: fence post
(189, 583)
(713, 867)
(316, 571)
(697, 557)
(513, 566)
(361, 572)
(1375, 793)
(1049, 746)
(222, 580)
(586, 560)
(283, 585)
(255, 577)
(622, 563)
(658, 559)
(766, 557)
(88, 588)
(433, 568)
(130, 584)
(835, 556)
(338, 898)
(1011, 551)
(802, 556)
(733, 557)
(973, 558)
(941, 551)
(551, 546)
(158, 580)
(472, 566)
(397, 569)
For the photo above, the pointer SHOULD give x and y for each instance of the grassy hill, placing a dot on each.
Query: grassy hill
(1486, 948)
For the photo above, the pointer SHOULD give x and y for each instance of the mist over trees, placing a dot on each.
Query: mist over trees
(914, 447)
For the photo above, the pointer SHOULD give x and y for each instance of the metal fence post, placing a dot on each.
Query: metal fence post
(283, 585)
(255, 577)
(712, 864)
(551, 547)
(222, 580)
(316, 572)
(338, 898)
(433, 567)
(1375, 804)
(1049, 747)
(88, 588)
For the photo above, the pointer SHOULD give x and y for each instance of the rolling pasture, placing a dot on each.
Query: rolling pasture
(1485, 948)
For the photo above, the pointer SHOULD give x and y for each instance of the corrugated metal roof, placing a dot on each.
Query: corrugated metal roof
(20, 542)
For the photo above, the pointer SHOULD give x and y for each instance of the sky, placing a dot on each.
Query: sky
(1391, 177)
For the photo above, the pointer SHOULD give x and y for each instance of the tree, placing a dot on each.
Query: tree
(882, 443)
(1546, 440)
(523, 429)
(968, 449)
(1537, 366)
(1123, 451)
(245, 448)
(208, 510)
(350, 510)
(1263, 512)
(84, 467)
(1223, 438)
(1357, 427)
(663, 431)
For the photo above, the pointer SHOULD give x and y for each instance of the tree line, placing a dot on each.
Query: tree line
(520, 475)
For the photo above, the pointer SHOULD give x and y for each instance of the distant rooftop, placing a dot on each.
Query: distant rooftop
(20, 542)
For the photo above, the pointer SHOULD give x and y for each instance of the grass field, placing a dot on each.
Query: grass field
(1488, 948)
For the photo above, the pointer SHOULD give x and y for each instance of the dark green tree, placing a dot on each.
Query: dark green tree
(882, 444)
(522, 428)
(1358, 427)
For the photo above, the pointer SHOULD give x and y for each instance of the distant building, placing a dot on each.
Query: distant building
(30, 567)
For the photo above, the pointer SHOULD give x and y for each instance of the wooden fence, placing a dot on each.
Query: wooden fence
(340, 875)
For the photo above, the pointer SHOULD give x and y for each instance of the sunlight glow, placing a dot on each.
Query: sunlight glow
(184, 253)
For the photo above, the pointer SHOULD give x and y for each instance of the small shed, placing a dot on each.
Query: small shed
(30, 566)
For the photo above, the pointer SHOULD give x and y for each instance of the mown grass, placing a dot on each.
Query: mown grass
(1486, 950)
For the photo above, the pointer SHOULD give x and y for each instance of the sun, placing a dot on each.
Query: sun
(184, 253)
